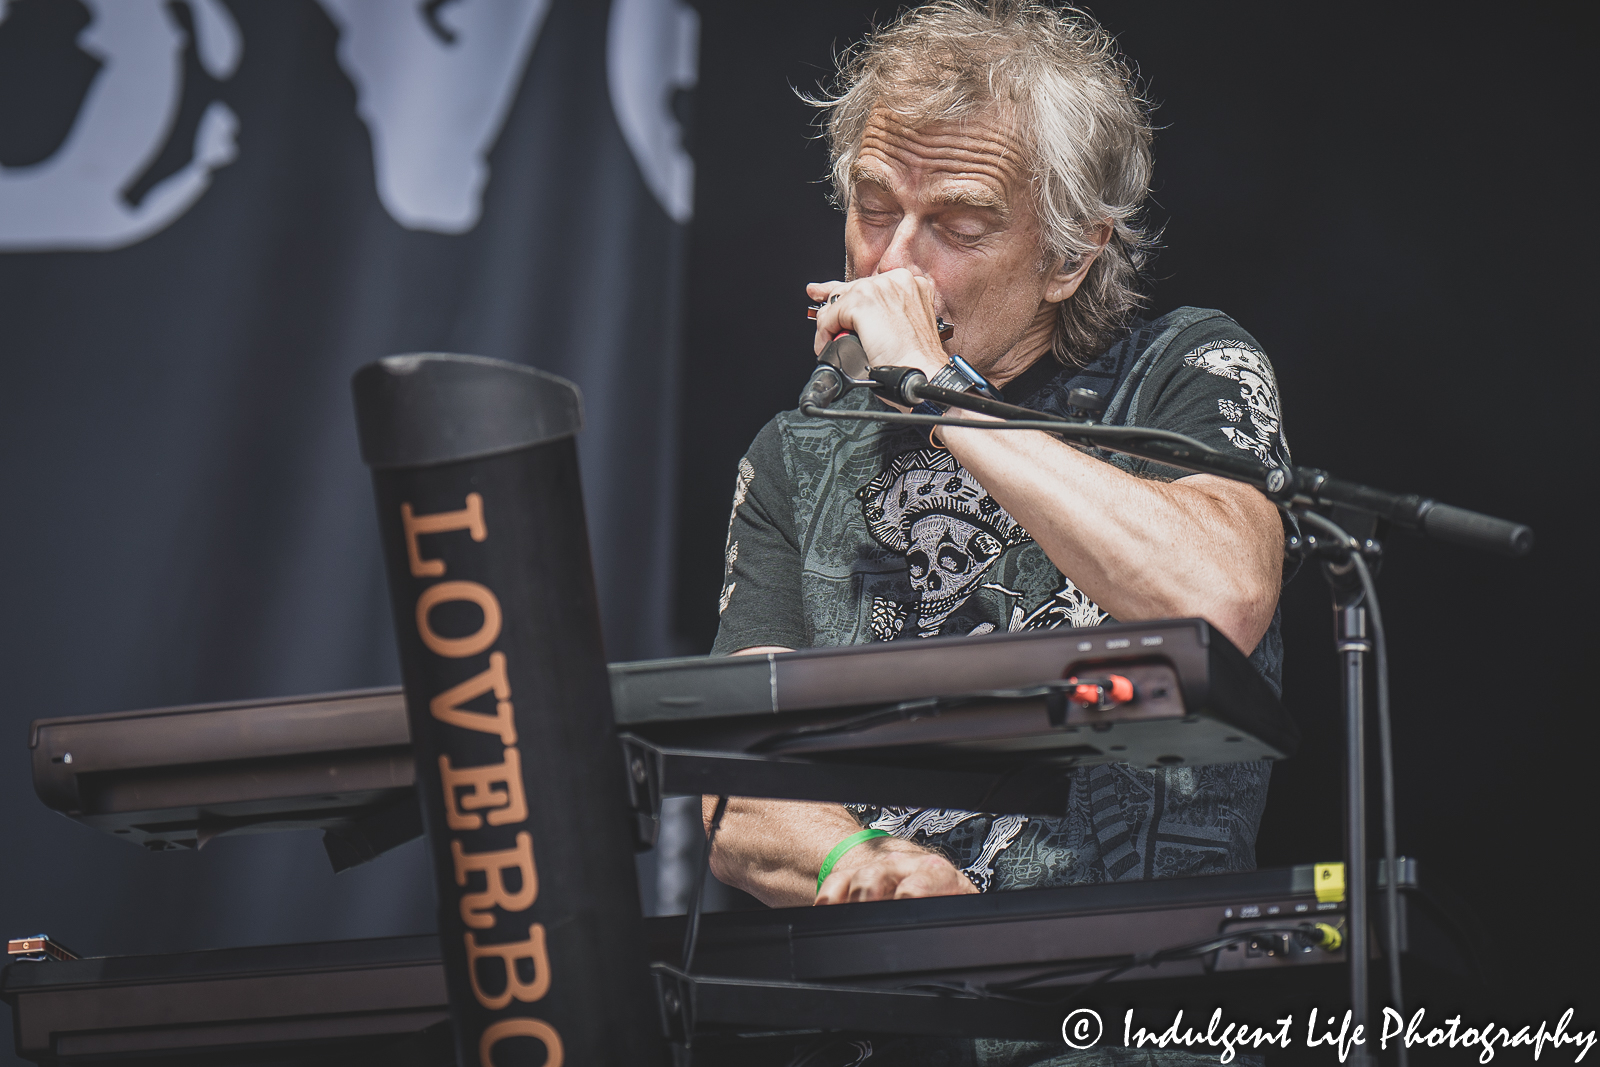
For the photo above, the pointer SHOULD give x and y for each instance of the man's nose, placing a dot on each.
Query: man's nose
(901, 251)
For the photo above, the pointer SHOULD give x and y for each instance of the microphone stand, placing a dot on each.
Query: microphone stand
(1344, 560)
(1353, 642)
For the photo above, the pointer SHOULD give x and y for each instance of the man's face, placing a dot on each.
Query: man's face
(951, 201)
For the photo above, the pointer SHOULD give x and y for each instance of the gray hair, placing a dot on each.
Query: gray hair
(1058, 77)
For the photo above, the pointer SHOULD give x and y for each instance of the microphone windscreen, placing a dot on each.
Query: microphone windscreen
(823, 387)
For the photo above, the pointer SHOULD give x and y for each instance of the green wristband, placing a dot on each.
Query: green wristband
(845, 846)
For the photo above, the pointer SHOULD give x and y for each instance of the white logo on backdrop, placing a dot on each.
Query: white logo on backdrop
(79, 197)
(434, 82)
(652, 49)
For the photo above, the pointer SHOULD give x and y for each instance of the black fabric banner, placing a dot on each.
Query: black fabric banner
(210, 214)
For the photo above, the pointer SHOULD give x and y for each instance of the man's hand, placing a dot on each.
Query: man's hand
(772, 849)
(887, 868)
(894, 314)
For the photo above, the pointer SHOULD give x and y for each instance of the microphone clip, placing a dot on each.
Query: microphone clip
(897, 385)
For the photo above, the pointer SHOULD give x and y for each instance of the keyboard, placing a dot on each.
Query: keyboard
(913, 966)
(987, 723)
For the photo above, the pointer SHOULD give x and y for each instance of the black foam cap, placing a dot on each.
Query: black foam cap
(428, 408)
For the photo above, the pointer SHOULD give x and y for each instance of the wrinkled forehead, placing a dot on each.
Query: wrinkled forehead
(982, 151)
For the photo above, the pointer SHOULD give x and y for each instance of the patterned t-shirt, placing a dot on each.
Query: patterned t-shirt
(844, 533)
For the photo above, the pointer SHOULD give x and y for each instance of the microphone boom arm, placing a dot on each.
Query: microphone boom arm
(1295, 487)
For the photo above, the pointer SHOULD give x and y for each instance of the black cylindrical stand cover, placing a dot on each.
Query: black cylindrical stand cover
(520, 776)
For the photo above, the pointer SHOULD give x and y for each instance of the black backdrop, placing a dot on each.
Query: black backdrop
(1395, 201)
(187, 517)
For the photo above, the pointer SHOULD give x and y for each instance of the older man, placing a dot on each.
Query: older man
(992, 160)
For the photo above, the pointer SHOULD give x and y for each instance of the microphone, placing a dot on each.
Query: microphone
(822, 388)
(842, 365)
(1469, 529)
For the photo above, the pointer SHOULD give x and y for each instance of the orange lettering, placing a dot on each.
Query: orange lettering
(469, 518)
(531, 950)
(494, 865)
(444, 593)
(506, 804)
(536, 1028)
(447, 706)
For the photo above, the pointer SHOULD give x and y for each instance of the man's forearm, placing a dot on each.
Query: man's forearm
(1139, 548)
(772, 849)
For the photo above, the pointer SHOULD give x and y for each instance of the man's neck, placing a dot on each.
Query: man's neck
(1033, 345)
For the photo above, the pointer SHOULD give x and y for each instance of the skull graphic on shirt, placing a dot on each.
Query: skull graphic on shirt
(946, 558)
(926, 506)
(1256, 420)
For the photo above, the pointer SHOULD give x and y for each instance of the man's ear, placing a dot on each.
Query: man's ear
(1068, 275)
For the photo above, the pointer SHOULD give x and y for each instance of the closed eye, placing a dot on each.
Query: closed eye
(968, 227)
(876, 216)
(966, 236)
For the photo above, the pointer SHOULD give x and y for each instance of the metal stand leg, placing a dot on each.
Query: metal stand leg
(1354, 644)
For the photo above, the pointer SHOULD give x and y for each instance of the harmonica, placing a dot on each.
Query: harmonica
(947, 330)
